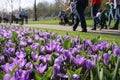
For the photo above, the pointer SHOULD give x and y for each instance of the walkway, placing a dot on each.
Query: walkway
(69, 28)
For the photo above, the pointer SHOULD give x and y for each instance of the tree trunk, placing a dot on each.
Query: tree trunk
(35, 10)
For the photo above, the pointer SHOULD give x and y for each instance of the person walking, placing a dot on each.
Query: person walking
(80, 6)
(22, 16)
(72, 11)
(111, 14)
(117, 14)
(17, 17)
(26, 16)
(95, 6)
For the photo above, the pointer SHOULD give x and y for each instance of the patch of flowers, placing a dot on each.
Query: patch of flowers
(27, 54)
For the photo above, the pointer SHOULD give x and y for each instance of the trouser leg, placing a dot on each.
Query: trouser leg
(117, 17)
(94, 11)
(80, 10)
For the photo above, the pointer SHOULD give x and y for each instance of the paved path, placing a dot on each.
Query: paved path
(69, 28)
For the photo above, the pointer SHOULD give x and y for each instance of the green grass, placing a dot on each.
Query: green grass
(105, 37)
(56, 22)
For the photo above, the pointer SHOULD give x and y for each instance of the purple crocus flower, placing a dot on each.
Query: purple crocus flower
(7, 67)
(104, 45)
(21, 62)
(9, 44)
(23, 43)
(45, 58)
(37, 37)
(79, 61)
(46, 34)
(2, 58)
(57, 66)
(59, 49)
(0, 46)
(42, 50)
(66, 54)
(65, 76)
(29, 40)
(87, 43)
(35, 56)
(89, 64)
(67, 37)
(9, 51)
(95, 47)
(34, 46)
(114, 47)
(116, 52)
(41, 68)
(76, 77)
(48, 57)
(76, 41)
(19, 74)
(52, 46)
(96, 57)
(42, 39)
(29, 75)
(78, 48)
(29, 65)
(26, 31)
(6, 77)
(58, 37)
(21, 54)
(8, 34)
(49, 48)
(106, 57)
(6, 52)
(59, 60)
(56, 70)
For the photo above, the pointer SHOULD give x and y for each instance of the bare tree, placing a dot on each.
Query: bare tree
(35, 10)
(19, 5)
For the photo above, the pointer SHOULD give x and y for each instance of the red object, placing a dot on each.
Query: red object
(96, 2)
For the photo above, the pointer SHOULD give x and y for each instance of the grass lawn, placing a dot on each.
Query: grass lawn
(56, 22)
(109, 38)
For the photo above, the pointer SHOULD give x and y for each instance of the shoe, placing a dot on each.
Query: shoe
(93, 29)
(101, 27)
(74, 29)
(114, 28)
(84, 30)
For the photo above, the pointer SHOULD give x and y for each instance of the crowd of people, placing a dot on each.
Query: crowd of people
(18, 17)
(78, 7)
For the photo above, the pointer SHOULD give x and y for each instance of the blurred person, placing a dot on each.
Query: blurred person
(111, 14)
(80, 6)
(63, 18)
(117, 14)
(6, 18)
(22, 16)
(0, 18)
(101, 18)
(26, 16)
(17, 18)
(72, 10)
(95, 6)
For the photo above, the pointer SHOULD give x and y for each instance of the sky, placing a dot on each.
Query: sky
(5, 5)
